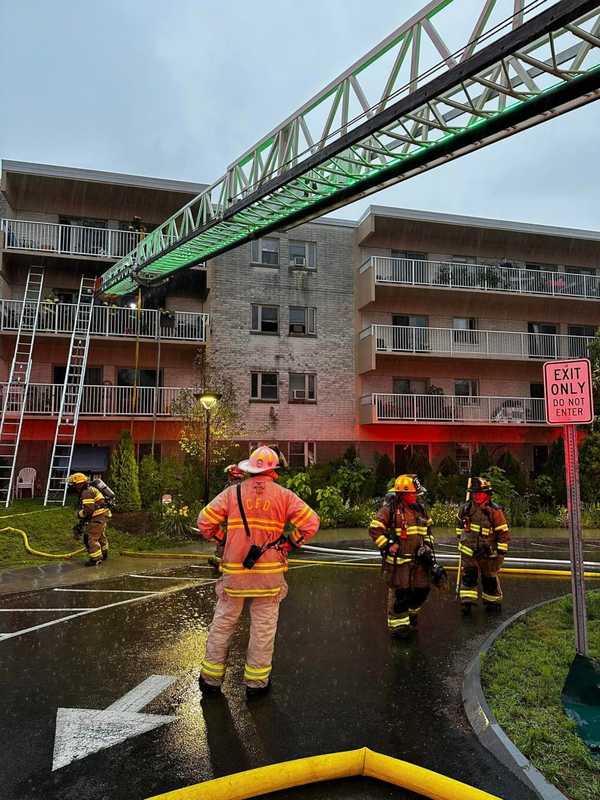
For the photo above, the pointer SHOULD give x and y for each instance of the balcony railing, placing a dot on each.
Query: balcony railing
(72, 240)
(59, 318)
(454, 408)
(497, 344)
(512, 280)
(43, 399)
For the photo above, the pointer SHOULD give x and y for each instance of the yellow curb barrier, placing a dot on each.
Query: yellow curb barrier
(332, 766)
(552, 573)
(33, 552)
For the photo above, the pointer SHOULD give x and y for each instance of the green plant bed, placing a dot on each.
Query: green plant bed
(522, 678)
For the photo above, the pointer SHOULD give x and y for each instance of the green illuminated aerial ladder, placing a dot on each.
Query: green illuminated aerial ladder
(15, 392)
(70, 401)
(419, 99)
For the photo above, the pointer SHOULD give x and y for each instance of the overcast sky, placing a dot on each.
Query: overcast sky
(179, 89)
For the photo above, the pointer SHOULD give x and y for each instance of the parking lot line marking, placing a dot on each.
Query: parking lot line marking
(106, 591)
(164, 577)
(82, 608)
(143, 596)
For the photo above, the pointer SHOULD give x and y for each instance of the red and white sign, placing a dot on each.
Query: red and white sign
(568, 391)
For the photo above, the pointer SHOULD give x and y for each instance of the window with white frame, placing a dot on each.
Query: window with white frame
(463, 458)
(266, 251)
(264, 386)
(302, 454)
(303, 321)
(265, 319)
(302, 387)
(467, 390)
(303, 254)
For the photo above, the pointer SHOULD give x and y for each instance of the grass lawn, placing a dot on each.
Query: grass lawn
(522, 677)
(50, 530)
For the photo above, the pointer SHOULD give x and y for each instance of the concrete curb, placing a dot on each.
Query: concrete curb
(486, 727)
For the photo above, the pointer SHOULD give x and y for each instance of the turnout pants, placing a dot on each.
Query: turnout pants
(264, 613)
(95, 539)
(403, 607)
(487, 569)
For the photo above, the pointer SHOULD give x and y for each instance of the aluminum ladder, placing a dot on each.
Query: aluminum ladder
(15, 396)
(70, 401)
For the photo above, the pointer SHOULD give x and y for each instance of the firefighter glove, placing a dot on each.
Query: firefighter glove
(392, 547)
(424, 555)
(439, 577)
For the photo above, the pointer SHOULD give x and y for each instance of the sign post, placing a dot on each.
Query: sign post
(568, 393)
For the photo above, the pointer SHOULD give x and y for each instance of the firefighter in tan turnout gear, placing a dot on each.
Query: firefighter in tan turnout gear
(483, 538)
(93, 514)
(256, 512)
(401, 530)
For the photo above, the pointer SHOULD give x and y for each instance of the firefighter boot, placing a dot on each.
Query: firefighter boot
(465, 609)
(92, 563)
(252, 692)
(104, 554)
(207, 689)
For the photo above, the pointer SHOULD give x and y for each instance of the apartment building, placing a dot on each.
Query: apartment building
(454, 319)
(72, 223)
(401, 331)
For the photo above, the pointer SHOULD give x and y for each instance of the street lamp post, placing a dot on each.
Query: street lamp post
(208, 400)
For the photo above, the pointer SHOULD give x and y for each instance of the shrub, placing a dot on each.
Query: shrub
(170, 476)
(384, 473)
(123, 475)
(149, 481)
(544, 489)
(351, 479)
(589, 465)
(512, 471)
(299, 483)
(544, 519)
(481, 461)
(330, 506)
(444, 514)
(175, 521)
(590, 515)
(358, 516)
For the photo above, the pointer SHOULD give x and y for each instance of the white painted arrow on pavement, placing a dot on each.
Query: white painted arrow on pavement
(82, 731)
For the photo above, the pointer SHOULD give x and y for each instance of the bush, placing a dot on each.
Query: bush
(299, 483)
(149, 481)
(170, 476)
(544, 489)
(123, 475)
(330, 506)
(544, 519)
(358, 516)
(384, 473)
(175, 521)
(590, 516)
(481, 461)
(351, 478)
(589, 465)
(444, 515)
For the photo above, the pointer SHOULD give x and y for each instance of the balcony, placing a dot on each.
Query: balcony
(381, 271)
(111, 321)
(426, 408)
(502, 345)
(67, 240)
(43, 400)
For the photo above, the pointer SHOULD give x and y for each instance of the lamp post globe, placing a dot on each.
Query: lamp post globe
(208, 401)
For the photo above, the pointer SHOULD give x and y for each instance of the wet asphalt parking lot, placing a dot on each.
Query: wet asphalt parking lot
(339, 683)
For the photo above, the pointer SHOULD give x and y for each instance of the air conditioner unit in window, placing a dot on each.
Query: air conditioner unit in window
(297, 327)
(299, 261)
(299, 394)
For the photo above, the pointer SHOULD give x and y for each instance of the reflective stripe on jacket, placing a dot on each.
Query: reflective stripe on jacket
(479, 525)
(92, 503)
(269, 508)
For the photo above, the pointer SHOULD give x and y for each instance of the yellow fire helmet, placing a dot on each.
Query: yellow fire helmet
(408, 483)
(77, 478)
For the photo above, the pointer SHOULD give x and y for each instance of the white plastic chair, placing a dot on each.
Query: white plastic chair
(25, 480)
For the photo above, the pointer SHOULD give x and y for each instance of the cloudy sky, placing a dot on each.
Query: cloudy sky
(178, 89)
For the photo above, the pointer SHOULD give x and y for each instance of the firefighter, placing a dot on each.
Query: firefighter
(401, 530)
(483, 538)
(256, 512)
(93, 514)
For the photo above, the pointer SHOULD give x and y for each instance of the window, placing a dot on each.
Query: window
(535, 267)
(93, 375)
(302, 387)
(302, 454)
(264, 386)
(463, 333)
(580, 271)
(536, 390)
(265, 319)
(542, 342)
(467, 390)
(409, 386)
(409, 254)
(266, 251)
(145, 449)
(303, 321)
(409, 333)
(303, 254)
(578, 345)
(463, 259)
(463, 458)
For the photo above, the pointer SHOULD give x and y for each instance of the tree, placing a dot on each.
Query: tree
(481, 461)
(504, 491)
(594, 356)
(589, 468)
(123, 475)
(555, 469)
(384, 472)
(149, 481)
(512, 469)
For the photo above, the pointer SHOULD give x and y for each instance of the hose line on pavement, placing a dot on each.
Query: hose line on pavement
(33, 552)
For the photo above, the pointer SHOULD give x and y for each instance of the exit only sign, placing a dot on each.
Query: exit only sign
(568, 391)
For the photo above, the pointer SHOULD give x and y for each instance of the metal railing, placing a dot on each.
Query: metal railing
(109, 321)
(43, 399)
(482, 277)
(457, 342)
(455, 408)
(74, 240)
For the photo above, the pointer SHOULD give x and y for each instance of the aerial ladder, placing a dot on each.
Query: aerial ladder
(15, 395)
(70, 401)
